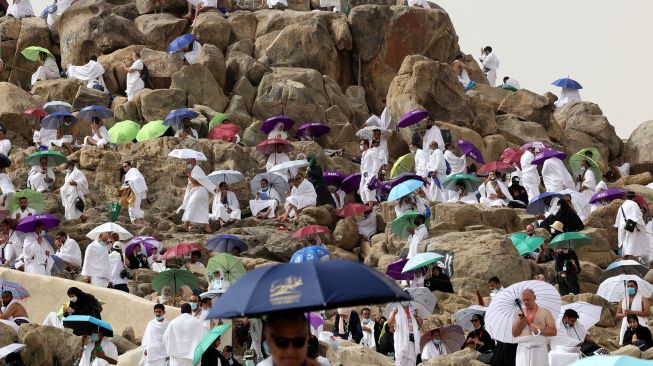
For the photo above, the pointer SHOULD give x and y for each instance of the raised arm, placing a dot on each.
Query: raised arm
(518, 324)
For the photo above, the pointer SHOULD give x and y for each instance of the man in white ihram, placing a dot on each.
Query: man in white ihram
(490, 62)
(37, 251)
(135, 181)
(634, 244)
(530, 176)
(97, 267)
(68, 251)
(196, 198)
(226, 207)
(301, 195)
(277, 158)
(494, 193)
(75, 185)
(182, 336)
(154, 351)
(438, 167)
(555, 175)
(531, 328)
(91, 72)
(40, 177)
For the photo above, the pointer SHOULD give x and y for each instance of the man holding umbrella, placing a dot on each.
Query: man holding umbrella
(286, 334)
(37, 251)
(41, 177)
(196, 198)
(532, 320)
(99, 348)
(97, 267)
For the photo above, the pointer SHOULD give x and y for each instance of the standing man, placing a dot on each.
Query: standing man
(632, 236)
(41, 178)
(277, 158)
(97, 267)
(633, 304)
(68, 251)
(286, 334)
(367, 325)
(118, 265)
(135, 182)
(490, 62)
(256, 333)
(196, 198)
(555, 175)
(431, 134)
(530, 176)
(154, 350)
(75, 186)
(181, 337)
(377, 136)
(534, 321)
(135, 83)
(417, 235)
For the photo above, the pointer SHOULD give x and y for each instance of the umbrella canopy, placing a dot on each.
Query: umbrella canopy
(641, 202)
(412, 117)
(312, 253)
(624, 266)
(471, 182)
(404, 177)
(87, 325)
(541, 157)
(32, 52)
(404, 189)
(596, 154)
(471, 150)
(34, 200)
(401, 224)
(269, 123)
(577, 159)
(219, 118)
(208, 340)
(275, 181)
(524, 243)
(145, 246)
(502, 309)
(223, 132)
(424, 296)
(333, 178)
(413, 305)
(17, 290)
(289, 166)
(270, 146)
(614, 288)
(109, 227)
(147, 240)
(405, 164)
(588, 314)
(227, 176)
(94, 111)
(58, 265)
(315, 319)
(54, 121)
(569, 240)
(231, 267)
(451, 337)
(57, 106)
(124, 131)
(187, 154)
(351, 183)
(367, 133)
(463, 317)
(28, 223)
(537, 145)
(36, 112)
(394, 271)
(310, 230)
(151, 130)
(175, 117)
(567, 83)
(607, 195)
(496, 166)
(55, 158)
(182, 249)
(180, 42)
(512, 155)
(421, 260)
(313, 129)
(602, 360)
(352, 209)
(175, 279)
(537, 205)
(4, 161)
(224, 243)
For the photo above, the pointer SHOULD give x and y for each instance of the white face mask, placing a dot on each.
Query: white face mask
(68, 171)
(73, 299)
(362, 148)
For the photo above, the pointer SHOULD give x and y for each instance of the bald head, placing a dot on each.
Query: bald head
(528, 297)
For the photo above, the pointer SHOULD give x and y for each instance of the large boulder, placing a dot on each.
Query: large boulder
(13, 102)
(243, 25)
(490, 94)
(156, 104)
(528, 106)
(603, 218)
(115, 76)
(213, 59)
(200, 86)
(349, 353)
(346, 235)
(33, 32)
(8, 335)
(600, 252)
(520, 132)
(599, 128)
(240, 64)
(161, 65)
(62, 89)
(88, 96)
(160, 29)
(564, 113)
(147, 6)
(48, 346)
(211, 27)
(639, 148)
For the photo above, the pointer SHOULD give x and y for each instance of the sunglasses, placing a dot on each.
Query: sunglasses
(297, 342)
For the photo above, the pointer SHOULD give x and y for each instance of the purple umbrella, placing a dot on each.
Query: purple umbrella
(27, 224)
(147, 240)
(314, 129)
(412, 118)
(469, 149)
(269, 123)
(395, 268)
(607, 195)
(548, 153)
(314, 319)
(351, 183)
(333, 178)
(129, 249)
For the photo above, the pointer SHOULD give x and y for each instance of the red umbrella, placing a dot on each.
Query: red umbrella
(310, 230)
(181, 249)
(495, 166)
(36, 112)
(224, 132)
(352, 209)
(512, 155)
(269, 146)
(641, 202)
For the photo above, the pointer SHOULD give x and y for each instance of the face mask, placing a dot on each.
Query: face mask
(68, 171)
(362, 148)
(494, 290)
(366, 321)
(631, 291)
(95, 337)
(42, 233)
(436, 342)
(102, 242)
(193, 306)
(266, 348)
(159, 318)
(566, 325)
(565, 251)
(477, 327)
(73, 299)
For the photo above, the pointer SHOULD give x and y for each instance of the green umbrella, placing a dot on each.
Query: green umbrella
(516, 238)
(596, 155)
(54, 158)
(217, 120)
(208, 340)
(151, 130)
(123, 132)
(471, 182)
(569, 240)
(405, 164)
(528, 244)
(575, 161)
(32, 52)
(175, 279)
(401, 224)
(231, 267)
(34, 200)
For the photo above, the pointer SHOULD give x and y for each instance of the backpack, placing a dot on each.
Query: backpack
(145, 73)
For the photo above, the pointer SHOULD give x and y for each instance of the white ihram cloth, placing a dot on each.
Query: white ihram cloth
(491, 61)
(532, 351)
(487, 189)
(555, 175)
(70, 253)
(52, 320)
(303, 195)
(271, 202)
(6, 186)
(273, 3)
(62, 6)
(568, 95)
(5, 146)
(70, 193)
(181, 337)
(529, 175)
(433, 134)
(589, 183)
(36, 261)
(193, 134)
(46, 136)
(36, 178)
(93, 70)
(635, 306)
(421, 162)
(136, 182)
(635, 243)
(431, 351)
(206, 3)
(108, 348)
(463, 77)
(458, 164)
(278, 132)
(405, 351)
(97, 264)
(134, 82)
(193, 56)
(437, 163)
(278, 158)
(422, 3)
(196, 199)
(20, 9)
(117, 265)
(436, 193)
(577, 332)
(371, 161)
(368, 337)
(256, 332)
(624, 169)
(219, 210)
(339, 198)
(152, 342)
(366, 225)
(101, 137)
(420, 234)
(49, 70)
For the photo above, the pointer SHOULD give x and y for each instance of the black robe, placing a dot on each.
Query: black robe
(324, 197)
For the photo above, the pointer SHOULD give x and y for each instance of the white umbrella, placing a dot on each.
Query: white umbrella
(57, 106)
(187, 154)
(367, 133)
(421, 309)
(503, 309)
(290, 166)
(464, 316)
(614, 288)
(425, 297)
(276, 182)
(588, 314)
(228, 176)
(421, 260)
(109, 227)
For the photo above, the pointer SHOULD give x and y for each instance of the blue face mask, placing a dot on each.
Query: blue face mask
(266, 348)
(159, 318)
(436, 342)
(193, 306)
(95, 337)
(189, 166)
(631, 291)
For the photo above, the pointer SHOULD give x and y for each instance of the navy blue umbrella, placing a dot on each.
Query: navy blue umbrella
(175, 117)
(57, 119)
(224, 243)
(180, 42)
(567, 83)
(305, 286)
(93, 111)
(537, 206)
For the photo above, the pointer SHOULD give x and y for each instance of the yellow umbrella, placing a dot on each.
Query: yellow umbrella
(405, 164)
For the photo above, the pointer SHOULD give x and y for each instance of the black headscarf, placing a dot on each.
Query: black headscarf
(483, 336)
(315, 176)
(439, 282)
(86, 304)
(386, 344)
(517, 191)
(568, 217)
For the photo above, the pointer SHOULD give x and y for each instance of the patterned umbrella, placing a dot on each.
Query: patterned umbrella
(17, 290)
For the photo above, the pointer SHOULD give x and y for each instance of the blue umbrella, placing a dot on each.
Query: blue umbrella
(224, 243)
(404, 189)
(537, 206)
(175, 117)
(93, 111)
(55, 120)
(624, 266)
(305, 287)
(567, 83)
(58, 266)
(180, 42)
(85, 325)
(312, 253)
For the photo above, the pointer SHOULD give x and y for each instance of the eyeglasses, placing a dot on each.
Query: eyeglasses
(297, 342)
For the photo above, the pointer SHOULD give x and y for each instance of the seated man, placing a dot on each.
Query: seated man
(301, 195)
(49, 69)
(200, 7)
(461, 195)
(195, 265)
(226, 208)
(41, 178)
(11, 310)
(68, 251)
(20, 9)
(265, 204)
(494, 193)
(186, 131)
(100, 137)
(91, 72)
(155, 262)
(366, 225)
(5, 143)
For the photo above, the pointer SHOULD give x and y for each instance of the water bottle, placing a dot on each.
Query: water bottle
(333, 343)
